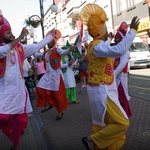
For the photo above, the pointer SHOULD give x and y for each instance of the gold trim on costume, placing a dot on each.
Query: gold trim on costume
(11, 51)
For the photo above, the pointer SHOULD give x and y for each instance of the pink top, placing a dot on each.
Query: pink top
(40, 67)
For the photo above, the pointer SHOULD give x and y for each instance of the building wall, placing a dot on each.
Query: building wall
(67, 17)
(140, 10)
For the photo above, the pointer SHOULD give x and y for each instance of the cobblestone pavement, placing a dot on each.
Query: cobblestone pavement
(44, 133)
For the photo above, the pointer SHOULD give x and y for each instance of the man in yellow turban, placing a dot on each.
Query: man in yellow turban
(109, 120)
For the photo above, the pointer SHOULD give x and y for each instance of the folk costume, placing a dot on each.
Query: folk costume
(14, 97)
(51, 86)
(109, 120)
(121, 71)
(69, 78)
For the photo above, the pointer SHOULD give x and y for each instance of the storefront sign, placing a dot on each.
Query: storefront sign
(144, 26)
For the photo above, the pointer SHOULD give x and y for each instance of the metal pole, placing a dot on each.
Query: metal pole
(112, 15)
(42, 16)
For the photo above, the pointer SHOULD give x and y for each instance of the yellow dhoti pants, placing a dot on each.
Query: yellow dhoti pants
(112, 136)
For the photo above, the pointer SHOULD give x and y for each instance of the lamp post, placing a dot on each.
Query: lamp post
(42, 16)
(53, 8)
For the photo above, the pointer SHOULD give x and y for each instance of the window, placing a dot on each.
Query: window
(130, 4)
(119, 6)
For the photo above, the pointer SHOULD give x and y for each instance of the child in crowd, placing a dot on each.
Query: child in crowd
(30, 82)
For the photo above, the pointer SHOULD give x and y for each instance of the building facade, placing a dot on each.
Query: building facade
(125, 10)
(67, 18)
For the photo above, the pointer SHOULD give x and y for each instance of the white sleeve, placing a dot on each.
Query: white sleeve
(123, 61)
(4, 50)
(64, 65)
(63, 52)
(30, 49)
(103, 49)
(37, 54)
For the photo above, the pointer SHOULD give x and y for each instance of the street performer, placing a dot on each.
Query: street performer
(14, 97)
(109, 120)
(50, 90)
(121, 71)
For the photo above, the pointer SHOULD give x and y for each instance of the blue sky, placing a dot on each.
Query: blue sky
(16, 11)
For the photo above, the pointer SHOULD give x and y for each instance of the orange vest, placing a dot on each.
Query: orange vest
(55, 59)
(20, 52)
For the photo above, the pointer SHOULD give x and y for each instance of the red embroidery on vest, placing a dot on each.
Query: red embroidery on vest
(20, 52)
(108, 70)
(21, 60)
(91, 74)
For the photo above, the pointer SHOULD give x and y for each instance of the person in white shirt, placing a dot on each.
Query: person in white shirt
(14, 97)
(121, 71)
(26, 67)
(109, 120)
(50, 90)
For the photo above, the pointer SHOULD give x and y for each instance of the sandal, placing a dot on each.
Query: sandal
(46, 109)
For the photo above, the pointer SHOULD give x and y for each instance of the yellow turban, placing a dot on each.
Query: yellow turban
(94, 17)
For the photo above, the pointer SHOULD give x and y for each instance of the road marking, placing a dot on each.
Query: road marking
(148, 89)
(139, 77)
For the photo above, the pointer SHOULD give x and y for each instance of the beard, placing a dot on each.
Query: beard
(50, 46)
(7, 40)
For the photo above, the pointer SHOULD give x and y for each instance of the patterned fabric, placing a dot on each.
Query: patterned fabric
(21, 60)
(100, 70)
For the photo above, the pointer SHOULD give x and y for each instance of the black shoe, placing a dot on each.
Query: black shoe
(85, 142)
(59, 117)
(76, 102)
(46, 109)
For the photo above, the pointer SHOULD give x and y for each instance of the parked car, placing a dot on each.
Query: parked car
(139, 54)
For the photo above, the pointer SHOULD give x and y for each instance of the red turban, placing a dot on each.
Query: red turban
(121, 31)
(3, 20)
(57, 34)
(4, 26)
(3, 29)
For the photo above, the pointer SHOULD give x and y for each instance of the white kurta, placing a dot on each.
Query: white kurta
(98, 94)
(69, 78)
(12, 87)
(122, 77)
(51, 79)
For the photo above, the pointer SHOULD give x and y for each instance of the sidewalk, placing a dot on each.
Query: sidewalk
(45, 133)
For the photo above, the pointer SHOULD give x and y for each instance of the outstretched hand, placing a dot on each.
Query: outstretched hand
(135, 23)
(72, 47)
(111, 35)
(24, 33)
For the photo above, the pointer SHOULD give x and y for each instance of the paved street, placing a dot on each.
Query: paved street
(45, 133)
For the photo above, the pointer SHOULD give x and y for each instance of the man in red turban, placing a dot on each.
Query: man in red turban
(14, 97)
(50, 90)
(121, 71)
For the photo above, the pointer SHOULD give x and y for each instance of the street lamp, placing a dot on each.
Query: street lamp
(53, 8)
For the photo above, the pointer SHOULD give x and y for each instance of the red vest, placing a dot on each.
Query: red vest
(116, 63)
(55, 59)
(20, 52)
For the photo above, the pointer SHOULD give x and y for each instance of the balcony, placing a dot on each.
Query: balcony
(74, 11)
